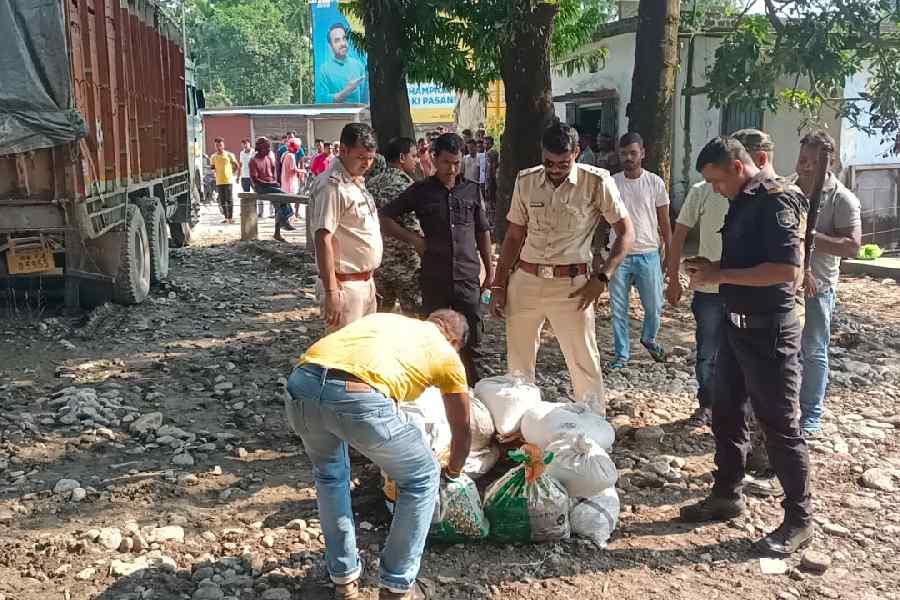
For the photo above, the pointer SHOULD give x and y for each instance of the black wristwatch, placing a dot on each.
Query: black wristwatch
(600, 275)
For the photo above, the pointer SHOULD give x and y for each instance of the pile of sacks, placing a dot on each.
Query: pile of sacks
(575, 441)
(564, 484)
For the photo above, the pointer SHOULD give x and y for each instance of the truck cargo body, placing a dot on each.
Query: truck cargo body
(94, 157)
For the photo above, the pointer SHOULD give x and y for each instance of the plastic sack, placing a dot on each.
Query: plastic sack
(527, 504)
(597, 517)
(481, 461)
(461, 517)
(581, 465)
(507, 398)
(481, 423)
(428, 414)
(541, 426)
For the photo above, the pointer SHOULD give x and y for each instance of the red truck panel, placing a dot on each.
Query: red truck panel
(128, 68)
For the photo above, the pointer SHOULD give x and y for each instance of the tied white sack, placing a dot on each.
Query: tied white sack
(481, 461)
(428, 413)
(482, 425)
(581, 465)
(597, 517)
(549, 421)
(507, 397)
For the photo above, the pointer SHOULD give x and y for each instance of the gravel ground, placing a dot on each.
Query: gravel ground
(144, 455)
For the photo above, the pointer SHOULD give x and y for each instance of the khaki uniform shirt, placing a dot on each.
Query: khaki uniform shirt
(342, 206)
(561, 220)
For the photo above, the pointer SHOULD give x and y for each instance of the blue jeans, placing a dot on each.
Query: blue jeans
(327, 418)
(814, 350)
(709, 312)
(644, 271)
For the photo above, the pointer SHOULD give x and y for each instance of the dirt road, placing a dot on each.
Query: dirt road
(145, 455)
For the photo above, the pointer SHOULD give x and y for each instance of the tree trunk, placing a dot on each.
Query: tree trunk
(653, 82)
(388, 97)
(529, 99)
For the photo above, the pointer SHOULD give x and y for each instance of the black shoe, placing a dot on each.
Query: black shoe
(786, 540)
(286, 225)
(712, 508)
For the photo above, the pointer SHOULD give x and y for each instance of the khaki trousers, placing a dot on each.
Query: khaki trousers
(531, 301)
(358, 299)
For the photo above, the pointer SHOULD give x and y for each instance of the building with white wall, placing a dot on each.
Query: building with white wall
(597, 103)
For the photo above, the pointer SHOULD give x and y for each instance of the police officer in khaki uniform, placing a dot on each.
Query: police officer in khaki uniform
(344, 221)
(547, 271)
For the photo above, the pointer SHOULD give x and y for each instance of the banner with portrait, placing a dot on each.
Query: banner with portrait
(341, 75)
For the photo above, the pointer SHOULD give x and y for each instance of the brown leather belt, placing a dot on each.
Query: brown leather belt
(353, 276)
(553, 271)
(351, 381)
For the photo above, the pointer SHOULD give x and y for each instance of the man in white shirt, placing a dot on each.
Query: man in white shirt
(644, 195)
(471, 165)
(706, 209)
(247, 153)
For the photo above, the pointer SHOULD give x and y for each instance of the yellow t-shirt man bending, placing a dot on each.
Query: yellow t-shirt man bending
(343, 394)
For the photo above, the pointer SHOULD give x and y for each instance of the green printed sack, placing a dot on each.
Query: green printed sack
(461, 517)
(527, 504)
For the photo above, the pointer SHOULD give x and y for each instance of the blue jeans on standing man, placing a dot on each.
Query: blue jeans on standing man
(328, 418)
(814, 352)
(645, 272)
(709, 312)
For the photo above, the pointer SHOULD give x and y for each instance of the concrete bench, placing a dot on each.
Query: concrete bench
(249, 224)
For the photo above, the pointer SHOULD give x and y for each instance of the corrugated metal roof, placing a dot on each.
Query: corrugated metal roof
(305, 110)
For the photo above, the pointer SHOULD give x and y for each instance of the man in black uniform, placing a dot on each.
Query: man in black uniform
(456, 231)
(758, 363)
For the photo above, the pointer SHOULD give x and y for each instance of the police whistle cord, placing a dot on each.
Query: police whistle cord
(815, 203)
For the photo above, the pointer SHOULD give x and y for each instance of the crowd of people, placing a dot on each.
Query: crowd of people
(412, 228)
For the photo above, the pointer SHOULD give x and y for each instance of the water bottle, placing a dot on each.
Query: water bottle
(486, 296)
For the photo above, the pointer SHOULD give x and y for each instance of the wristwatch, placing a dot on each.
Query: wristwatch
(601, 276)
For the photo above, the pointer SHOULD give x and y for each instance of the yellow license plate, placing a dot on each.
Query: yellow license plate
(29, 261)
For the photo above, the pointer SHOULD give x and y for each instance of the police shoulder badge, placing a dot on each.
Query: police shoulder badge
(787, 218)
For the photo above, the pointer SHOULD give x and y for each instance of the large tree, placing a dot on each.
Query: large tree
(800, 53)
(249, 51)
(464, 45)
(653, 81)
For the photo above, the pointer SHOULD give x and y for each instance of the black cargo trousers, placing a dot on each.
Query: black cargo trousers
(758, 368)
(464, 297)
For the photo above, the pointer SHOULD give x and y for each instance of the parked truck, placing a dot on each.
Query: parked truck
(97, 147)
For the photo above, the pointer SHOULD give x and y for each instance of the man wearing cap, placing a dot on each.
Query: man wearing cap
(344, 221)
(547, 271)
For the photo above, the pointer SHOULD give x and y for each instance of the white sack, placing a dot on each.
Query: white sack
(540, 427)
(507, 398)
(482, 425)
(581, 465)
(597, 517)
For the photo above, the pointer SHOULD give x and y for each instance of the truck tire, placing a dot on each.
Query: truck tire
(180, 234)
(133, 278)
(157, 236)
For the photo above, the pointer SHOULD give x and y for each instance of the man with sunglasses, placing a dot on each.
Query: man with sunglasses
(547, 271)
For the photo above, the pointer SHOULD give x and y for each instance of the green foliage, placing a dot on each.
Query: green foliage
(814, 45)
(250, 51)
(458, 43)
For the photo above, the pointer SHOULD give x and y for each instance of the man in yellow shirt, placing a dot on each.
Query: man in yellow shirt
(225, 165)
(345, 392)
